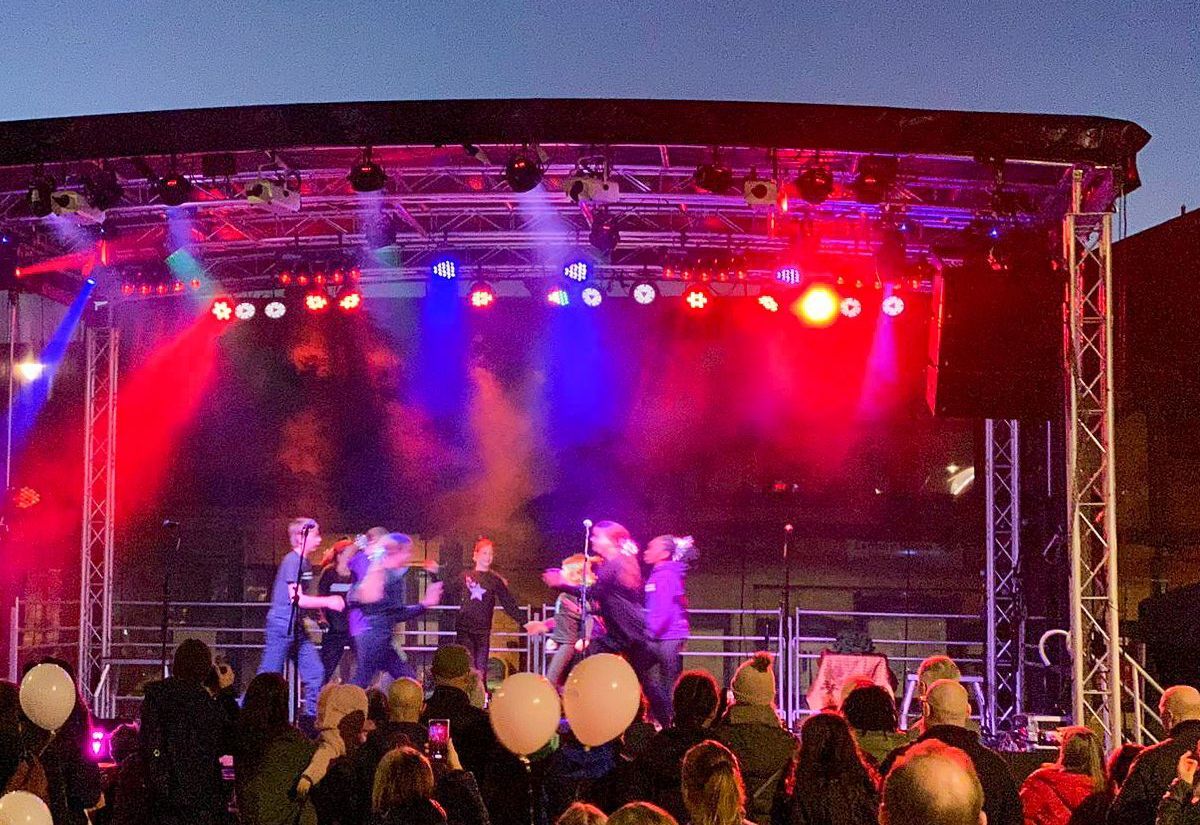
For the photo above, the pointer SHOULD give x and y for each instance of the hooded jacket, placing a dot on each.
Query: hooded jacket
(335, 703)
(666, 601)
(764, 751)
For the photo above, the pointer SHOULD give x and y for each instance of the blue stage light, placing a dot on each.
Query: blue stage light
(558, 297)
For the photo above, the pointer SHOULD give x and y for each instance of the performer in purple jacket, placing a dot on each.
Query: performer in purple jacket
(666, 604)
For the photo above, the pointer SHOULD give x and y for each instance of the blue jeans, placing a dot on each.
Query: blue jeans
(279, 646)
(376, 655)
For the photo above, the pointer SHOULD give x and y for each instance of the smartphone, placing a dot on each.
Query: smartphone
(439, 739)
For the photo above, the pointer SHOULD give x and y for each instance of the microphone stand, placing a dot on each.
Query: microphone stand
(785, 612)
(294, 616)
(173, 527)
(585, 632)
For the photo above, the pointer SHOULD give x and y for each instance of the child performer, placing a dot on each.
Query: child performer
(566, 637)
(476, 591)
(666, 603)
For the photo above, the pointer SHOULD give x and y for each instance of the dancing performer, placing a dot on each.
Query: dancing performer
(343, 566)
(282, 632)
(566, 638)
(666, 603)
(380, 594)
(476, 592)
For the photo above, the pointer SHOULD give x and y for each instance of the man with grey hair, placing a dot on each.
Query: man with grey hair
(932, 784)
(1152, 771)
(946, 712)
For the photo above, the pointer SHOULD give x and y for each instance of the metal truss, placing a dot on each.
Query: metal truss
(1005, 645)
(99, 496)
(1091, 476)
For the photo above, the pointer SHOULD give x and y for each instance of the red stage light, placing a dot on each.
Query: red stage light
(481, 295)
(355, 274)
(161, 289)
(818, 306)
(893, 305)
(177, 286)
(851, 307)
(696, 297)
(337, 277)
(302, 280)
(126, 289)
(769, 303)
(285, 278)
(316, 301)
(222, 309)
(195, 283)
(144, 289)
(350, 301)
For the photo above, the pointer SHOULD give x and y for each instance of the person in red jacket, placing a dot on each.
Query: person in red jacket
(1072, 790)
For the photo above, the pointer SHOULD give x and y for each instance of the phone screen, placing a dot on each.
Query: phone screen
(439, 738)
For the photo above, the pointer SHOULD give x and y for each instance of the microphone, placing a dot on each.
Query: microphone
(587, 522)
(787, 528)
(169, 525)
(309, 526)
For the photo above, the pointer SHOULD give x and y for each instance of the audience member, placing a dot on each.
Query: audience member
(641, 813)
(871, 712)
(946, 713)
(407, 793)
(1119, 763)
(1154, 769)
(831, 783)
(574, 773)
(932, 784)
(269, 756)
(338, 788)
(696, 700)
(1179, 805)
(752, 730)
(713, 792)
(1073, 789)
(125, 798)
(932, 669)
(184, 732)
(581, 813)
(377, 706)
(20, 767)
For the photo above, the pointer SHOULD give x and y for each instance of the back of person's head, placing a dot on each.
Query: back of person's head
(10, 706)
(406, 698)
(934, 669)
(754, 681)
(192, 661)
(871, 708)
(264, 715)
(828, 751)
(1179, 703)
(581, 813)
(696, 699)
(947, 703)
(378, 706)
(1081, 753)
(404, 776)
(932, 784)
(642, 813)
(1120, 761)
(123, 743)
(451, 666)
(713, 792)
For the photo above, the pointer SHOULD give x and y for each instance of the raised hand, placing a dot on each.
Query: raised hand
(433, 594)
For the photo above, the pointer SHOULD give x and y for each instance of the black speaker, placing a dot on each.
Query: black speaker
(8, 263)
(1167, 624)
(996, 343)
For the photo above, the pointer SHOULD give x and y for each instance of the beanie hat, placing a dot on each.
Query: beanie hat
(450, 662)
(754, 681)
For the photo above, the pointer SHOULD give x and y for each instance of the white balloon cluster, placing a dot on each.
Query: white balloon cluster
(47, 698)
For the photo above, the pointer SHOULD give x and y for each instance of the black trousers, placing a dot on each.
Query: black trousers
(333, 646)
(478, 643)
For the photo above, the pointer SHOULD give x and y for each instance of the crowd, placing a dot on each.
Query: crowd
(724, 759)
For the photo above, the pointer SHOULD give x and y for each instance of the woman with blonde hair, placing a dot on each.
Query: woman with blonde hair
(405, 792)
(713, 792)
(1072, 789)
(581, 813)
(641, 813)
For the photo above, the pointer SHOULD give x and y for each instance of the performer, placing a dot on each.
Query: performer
(304, 534)
(476, 591)
(566, 642)
(380, 594)
(667, 605)
(342, 566)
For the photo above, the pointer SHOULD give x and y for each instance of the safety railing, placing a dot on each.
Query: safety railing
(1146, 725)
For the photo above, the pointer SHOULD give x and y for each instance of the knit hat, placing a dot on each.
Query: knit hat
(450, 662)
(754, 681)
(336, 702)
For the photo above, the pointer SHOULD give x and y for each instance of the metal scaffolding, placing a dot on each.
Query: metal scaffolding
(1005, 645)
(99, 496)
(1091, 477)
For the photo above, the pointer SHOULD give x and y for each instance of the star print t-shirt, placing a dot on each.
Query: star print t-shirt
(477, 593)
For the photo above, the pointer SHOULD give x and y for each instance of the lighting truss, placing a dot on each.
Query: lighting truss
(1004, 683)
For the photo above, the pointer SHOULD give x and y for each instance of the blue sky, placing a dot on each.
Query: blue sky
(1137, 61)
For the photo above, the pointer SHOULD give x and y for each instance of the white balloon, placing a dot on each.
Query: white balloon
(525, 713)
(601, 698)
(23, 808)
(47, 696)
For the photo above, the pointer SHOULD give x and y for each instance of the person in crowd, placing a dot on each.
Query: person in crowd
(125, 800)
(574, 773)
(641, 813)
(270, 755)
(184, 732)
(1074, 788)
(20, 767)
(1154, 769)
(332, 774)
(581, 813)
(381, 595)
(1119, 763)
(932, 669)
(406, 699)
(666, 605)
(932, 784)
(1180, 805)
(830, 782)
(476, 592)
(406, 792)
(657, 769)
(566, 642)
(377, 706)
(946, 714)
(342, 566)
(871, 712)
(712, 787)
(752, 730)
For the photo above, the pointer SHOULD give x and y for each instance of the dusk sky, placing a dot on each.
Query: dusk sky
(1137, 61)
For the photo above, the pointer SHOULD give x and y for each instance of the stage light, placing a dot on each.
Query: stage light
(713, 177)
(244, 311)
(38, 196)
(851, 307)
(818, 306)
(760, 192)
(174, 189)
(350, 301)
(696, 297)
(558, 297)
(275, 195)
(645, 293)
(523, 172)
(445, 268)
(275, 310)
(222, 309)
(815, 184)
(316, 300)
(481, 295)
(89, 281)
(874, 178)
(591, 296)
(367, 175)
(768, 302)
(604, 235)
(893, 305)
(103, 188)
(68, 204)
(789, 275)
(30, 370)
(576, 270)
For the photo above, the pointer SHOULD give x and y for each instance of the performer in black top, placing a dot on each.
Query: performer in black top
(476, 591)
(342, 567)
